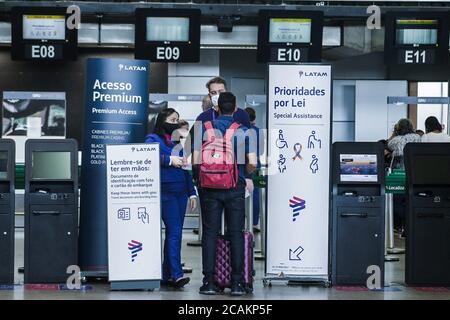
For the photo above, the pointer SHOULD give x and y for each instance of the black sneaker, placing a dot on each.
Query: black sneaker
(208, 288)
(181, 282)
(237, 290)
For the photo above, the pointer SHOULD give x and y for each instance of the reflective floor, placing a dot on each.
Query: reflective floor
(192, 258)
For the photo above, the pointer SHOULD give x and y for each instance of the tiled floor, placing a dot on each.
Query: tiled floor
(192, 258)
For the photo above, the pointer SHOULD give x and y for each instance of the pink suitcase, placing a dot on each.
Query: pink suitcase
(222, 274)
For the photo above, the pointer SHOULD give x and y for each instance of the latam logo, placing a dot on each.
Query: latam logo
(123, 67)
(143, 149)
(296, 205)
(312, 74)
(134, 247)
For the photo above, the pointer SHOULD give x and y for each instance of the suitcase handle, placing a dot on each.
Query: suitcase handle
(359, 215)
(430, 215)
(39, 213)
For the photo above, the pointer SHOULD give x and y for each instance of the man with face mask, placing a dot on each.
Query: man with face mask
(215, 86)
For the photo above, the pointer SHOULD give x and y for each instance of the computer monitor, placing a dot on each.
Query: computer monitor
(292, 30)
(43, 27)
(51, 165)
(3, 165)
(431, 169)
(358, 168)
(168, 29)
(416, 31)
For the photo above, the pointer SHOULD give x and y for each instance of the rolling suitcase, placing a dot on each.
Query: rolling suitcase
(222, 275)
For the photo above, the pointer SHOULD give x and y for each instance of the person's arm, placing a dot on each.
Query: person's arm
(165, 160)
(196, 153)
(189, 184)
(251, 163)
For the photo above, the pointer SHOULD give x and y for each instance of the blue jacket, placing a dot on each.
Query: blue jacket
(240, 116)
(171, 174)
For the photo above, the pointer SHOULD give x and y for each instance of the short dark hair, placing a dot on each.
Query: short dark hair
(219, 80)
(251, 113)
(161, 119)
(227, 103)
(432, 124)
(183, 122)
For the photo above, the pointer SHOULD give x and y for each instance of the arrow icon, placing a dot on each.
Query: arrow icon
(295, 255)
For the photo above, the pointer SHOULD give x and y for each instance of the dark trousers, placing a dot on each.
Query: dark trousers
(213, 203)
(256, 196)
(173, 202)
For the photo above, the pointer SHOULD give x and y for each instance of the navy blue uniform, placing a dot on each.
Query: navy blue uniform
(176, 187)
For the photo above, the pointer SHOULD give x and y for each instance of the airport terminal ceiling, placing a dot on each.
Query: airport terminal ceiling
(358, 57)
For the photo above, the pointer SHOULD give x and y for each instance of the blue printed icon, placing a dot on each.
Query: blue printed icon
(143, 215)
(313, 142)
(294, 255)
(314, 166)
(124, 214)
(281, 163)
(281, 141)
(297, 205)
(135, 247)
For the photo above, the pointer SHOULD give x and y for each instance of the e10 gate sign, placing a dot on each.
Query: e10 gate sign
(116, 111)
(298, 195)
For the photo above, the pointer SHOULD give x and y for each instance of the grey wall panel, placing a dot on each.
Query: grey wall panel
(344, 100)
(343, 131)
(373, 116)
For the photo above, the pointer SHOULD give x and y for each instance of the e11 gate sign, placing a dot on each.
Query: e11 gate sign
(116, 111)
(298, 186)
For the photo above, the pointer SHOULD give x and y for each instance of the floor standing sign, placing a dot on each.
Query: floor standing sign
(116, 112)
(134, 216)
(298, 194)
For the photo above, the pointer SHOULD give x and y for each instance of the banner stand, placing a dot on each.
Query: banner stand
(116, 112)
(298, 199)
(134, 216)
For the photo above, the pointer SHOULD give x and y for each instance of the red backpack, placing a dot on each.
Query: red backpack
(218, 169)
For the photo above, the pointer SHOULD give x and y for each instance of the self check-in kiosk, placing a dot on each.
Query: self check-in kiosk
(51, 209)
(358, 212)
(428, 214)
(7, 202)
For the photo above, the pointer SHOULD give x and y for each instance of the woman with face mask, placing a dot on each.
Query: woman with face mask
(176, 189)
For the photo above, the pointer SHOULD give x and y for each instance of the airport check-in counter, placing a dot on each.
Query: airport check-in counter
(7, 200)
(358, 212)
(428, 214)
(51, 209)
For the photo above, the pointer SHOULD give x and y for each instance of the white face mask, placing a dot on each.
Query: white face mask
(215, 100)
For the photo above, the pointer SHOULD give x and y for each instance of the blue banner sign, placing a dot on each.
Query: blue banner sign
(116, 111)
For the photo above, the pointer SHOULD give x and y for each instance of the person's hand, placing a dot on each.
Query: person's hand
(176, 162)
(250, 186)
(192, 203)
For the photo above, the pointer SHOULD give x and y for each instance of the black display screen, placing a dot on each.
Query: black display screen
(416, 31)
(416, 38)
(168, 35)
(42, 33)
(51, 165)
(290, 36)
(433, 169)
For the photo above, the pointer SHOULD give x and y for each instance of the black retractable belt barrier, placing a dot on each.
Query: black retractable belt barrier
(7, 206)
(358, 212)
(428, 214)
(51, 209)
